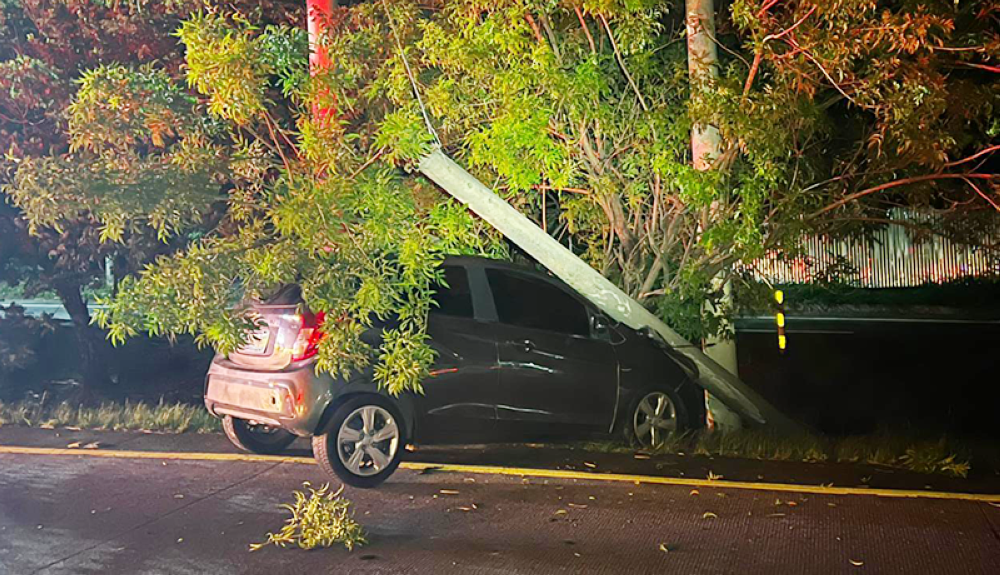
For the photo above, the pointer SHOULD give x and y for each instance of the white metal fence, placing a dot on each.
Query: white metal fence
(889, 257)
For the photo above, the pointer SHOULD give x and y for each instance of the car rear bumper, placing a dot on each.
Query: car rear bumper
(293, 398)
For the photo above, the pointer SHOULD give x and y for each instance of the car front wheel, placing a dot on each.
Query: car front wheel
(654, 416)
(364, 441)
(256, 438)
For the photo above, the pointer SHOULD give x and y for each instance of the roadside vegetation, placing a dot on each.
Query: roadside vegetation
(899, 451)
(132, 416)
(884, 448)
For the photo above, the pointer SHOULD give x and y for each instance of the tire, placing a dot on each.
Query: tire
(674, 417)
(256, 438)
(355, 455)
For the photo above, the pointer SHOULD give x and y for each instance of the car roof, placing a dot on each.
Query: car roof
(480, 261)
(542, 274)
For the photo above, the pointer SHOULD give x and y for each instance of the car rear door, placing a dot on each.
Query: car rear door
(555, 372)
(459, 400)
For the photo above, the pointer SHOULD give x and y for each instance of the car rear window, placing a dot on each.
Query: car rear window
(534, 303)
(456, 298)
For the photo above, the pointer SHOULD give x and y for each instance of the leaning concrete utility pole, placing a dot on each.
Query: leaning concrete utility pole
(564, 264)
(727, 388)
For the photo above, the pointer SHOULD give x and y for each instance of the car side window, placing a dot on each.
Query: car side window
(529, 302)
(455, 299)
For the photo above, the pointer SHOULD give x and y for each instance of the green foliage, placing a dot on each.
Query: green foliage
(320, 518)
(154, 191)
(581, 120)
(231, 62)
(362, 240)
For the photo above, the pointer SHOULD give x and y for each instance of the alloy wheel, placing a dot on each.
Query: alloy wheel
(367, 441)
(654, 419)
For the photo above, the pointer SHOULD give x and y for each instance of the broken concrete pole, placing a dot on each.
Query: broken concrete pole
(727, 388)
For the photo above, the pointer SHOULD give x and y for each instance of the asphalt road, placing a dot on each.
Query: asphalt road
(78, 514)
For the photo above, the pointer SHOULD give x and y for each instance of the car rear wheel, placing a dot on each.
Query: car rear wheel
(654, 416)
(256, 438)
(364, 441)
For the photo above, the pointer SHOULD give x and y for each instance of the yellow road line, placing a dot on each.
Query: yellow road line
(161, 455)
(520, 472)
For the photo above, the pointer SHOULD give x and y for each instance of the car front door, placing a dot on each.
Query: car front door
(459, 400)
(557, 376)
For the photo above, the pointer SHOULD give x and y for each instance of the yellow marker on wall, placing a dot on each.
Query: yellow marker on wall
(779, 318)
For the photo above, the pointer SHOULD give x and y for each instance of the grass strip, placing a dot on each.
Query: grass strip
(887, 449)
(136, 416)
(899, 451)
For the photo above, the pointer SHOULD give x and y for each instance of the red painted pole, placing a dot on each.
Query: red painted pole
(318, 17)
(318, 13)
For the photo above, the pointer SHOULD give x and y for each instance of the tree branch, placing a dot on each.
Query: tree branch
(557, 189)
(534, 28)
(586, 29)
(621, 62)
(982, 67)
(928, 177)
(978, 154)
(983, 195)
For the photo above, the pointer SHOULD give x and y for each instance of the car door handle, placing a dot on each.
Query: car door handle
(524, 345)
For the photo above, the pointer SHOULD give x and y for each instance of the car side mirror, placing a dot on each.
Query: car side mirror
(600, 324)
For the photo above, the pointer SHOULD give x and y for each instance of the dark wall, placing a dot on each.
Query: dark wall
(855, 376)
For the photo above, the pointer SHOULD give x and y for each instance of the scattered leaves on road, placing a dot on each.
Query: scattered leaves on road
(664, 547)
(590, 465)
(694, 492)
(448, 492)
(641, 456)
(713, 477)
(857, 563)
(709, 515)
(578, 506)
(74, 445)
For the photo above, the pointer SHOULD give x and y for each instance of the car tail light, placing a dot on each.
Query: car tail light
(307, 342)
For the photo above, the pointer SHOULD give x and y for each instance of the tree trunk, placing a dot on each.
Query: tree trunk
(92, 347)
(703, 70)
(706, 146)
